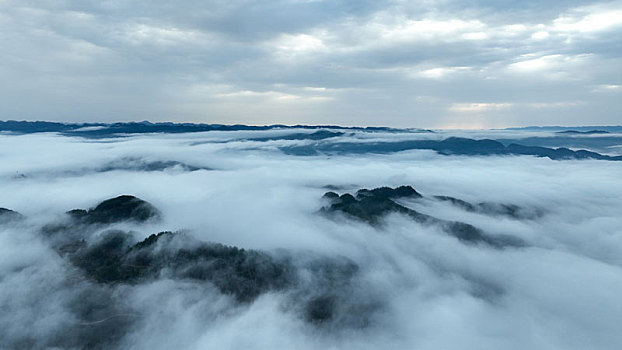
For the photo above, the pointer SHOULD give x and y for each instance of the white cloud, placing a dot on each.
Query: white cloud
(299, 46)
(272, 95)
(608, 88)
(540, 35)
(140, 34)
(408, 30)
(440, 72)
(555, 66)
(475, 36)
(587, 20)
(479, 107)
(536, 64)
(541, 105)
(559, 292)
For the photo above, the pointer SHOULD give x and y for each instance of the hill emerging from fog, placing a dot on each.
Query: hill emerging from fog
(326, 292)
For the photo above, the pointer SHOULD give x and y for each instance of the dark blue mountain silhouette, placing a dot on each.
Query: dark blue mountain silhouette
(104, 129)
(449, 146)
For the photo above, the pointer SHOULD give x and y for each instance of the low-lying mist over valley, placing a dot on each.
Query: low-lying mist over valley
(188, 236)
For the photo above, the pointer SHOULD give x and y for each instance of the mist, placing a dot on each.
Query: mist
(397, 283)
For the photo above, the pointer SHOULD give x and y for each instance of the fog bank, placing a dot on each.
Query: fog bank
(415, 286)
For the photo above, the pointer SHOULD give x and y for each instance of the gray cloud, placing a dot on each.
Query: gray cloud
(370, 63)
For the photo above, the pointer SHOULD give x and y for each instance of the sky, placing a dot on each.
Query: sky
(431, 64)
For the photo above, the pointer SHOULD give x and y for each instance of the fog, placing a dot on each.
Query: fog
(415, 287)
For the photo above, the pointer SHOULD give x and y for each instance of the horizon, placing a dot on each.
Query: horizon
(303, 125)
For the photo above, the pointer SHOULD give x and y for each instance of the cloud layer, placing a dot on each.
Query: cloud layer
(429, 64)
(561, 290)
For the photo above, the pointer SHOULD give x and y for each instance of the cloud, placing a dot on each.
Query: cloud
(551, 66)
(588, 19)
(440, 72)
(479, 107)
(144, 60)
(560, 291)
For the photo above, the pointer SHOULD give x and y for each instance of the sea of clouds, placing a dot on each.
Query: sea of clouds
(561, 291)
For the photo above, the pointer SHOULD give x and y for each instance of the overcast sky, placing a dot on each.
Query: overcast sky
(433, 64)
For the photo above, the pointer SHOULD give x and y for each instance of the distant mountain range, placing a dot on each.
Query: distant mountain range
(106, 129)
(448, 146)
(584, 140)
(577, 129)
(94, 129)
